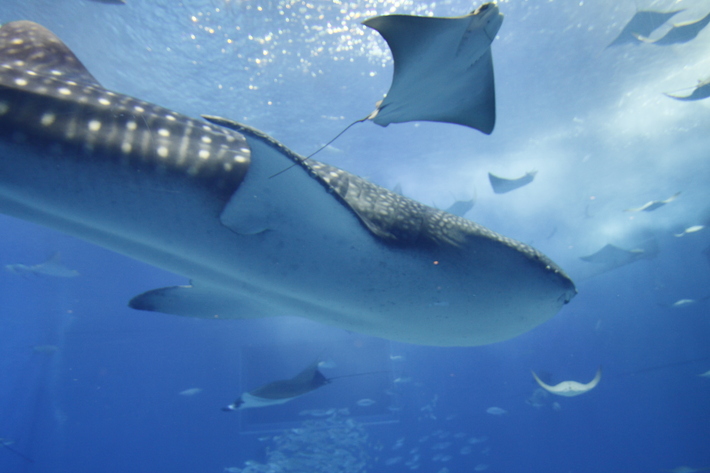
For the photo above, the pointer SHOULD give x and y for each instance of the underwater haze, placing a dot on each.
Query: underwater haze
(609, 177)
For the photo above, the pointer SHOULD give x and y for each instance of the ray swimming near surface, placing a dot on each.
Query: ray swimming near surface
(199, 200)
(282, 391)
(51, 267)
(680, 33)
(654, 204)
(501, 185)
(643, 23)
(443, 68)
(700, 91)
(570, 388)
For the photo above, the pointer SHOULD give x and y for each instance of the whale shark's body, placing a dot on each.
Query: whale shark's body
(200, 200)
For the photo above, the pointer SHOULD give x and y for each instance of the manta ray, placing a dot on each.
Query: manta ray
(203, 200)
(443, 68)
(570, 388)
(611, 256)
(680, 33)
(502, 185)
(700, 91)
(282, 391)
(654, 204)
(643, 23)
(461, 207)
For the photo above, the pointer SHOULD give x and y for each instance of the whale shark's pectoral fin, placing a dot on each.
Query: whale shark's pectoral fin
(197, 301)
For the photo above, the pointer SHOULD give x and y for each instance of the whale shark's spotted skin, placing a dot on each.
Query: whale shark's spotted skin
(55, 103)
(210, 203)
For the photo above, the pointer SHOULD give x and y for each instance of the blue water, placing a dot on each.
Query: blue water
(105, 396)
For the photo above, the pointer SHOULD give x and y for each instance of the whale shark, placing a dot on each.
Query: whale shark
(209, 200)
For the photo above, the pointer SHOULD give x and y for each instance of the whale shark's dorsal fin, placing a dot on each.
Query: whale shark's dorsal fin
(33, 47)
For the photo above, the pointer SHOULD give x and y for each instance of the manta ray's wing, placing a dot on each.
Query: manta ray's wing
(502, 185)
(643, 23)
(443, 68)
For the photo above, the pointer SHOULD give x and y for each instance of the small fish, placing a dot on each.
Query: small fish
(397, 357)
(475, 440)
(480, 467)
(465, 450)
(496, 411)
(190, 392)
(683, 302)
(365, 402)
(706, 374)
(693, 229)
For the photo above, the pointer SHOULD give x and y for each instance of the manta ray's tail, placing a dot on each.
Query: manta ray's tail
(338, 136)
